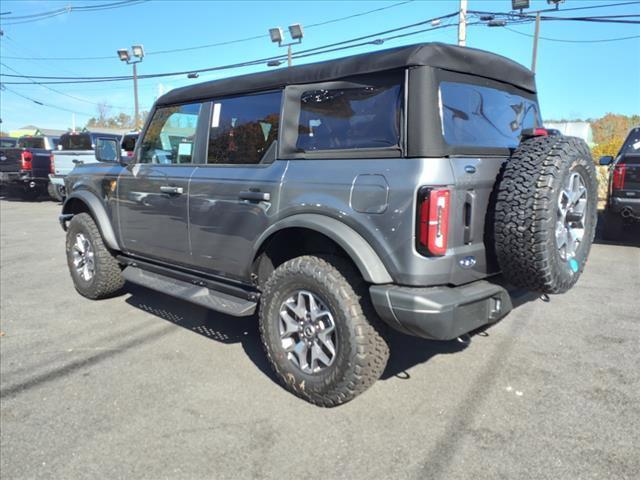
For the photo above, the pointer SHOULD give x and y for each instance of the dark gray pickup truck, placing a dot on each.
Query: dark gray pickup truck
(411, 188)
(623, 202)
(25, 168)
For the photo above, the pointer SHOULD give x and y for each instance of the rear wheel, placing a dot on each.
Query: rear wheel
(95, 272)
(319, 330)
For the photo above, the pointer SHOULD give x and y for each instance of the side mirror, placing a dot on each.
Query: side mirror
(108, 150)
(606, 160)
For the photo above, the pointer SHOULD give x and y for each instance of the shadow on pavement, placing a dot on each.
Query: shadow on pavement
(630, 234)
(406, 351)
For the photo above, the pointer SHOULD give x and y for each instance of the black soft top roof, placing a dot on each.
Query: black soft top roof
(439, 55)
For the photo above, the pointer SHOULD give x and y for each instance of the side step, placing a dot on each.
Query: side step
(203, 296)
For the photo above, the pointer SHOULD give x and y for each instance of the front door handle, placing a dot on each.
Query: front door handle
(255, 196)
(171, 190)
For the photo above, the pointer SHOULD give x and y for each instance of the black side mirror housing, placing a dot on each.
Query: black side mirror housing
(606, 160)
(108, 150)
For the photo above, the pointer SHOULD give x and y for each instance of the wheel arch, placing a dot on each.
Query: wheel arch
(356, 248)
(85, 201)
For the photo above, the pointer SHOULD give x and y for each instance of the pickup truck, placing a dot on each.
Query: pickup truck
(74, 148)
(623, 202)
(26, 167)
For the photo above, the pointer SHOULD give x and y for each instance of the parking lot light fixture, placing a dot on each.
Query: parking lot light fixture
(138, 51)
(123, 54)
(295, 32)
(133, 57)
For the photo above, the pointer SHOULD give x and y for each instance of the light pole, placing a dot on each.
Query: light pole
(296, 33)
(133, 57)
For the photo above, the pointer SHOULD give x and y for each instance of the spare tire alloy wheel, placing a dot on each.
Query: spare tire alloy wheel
(308, 332)
(546, 213)
(570, 226)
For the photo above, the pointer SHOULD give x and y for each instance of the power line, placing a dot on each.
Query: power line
(219, 44)
(42, 104)
(63, 93)
(299, 54)
(35, 17)
(565, 40)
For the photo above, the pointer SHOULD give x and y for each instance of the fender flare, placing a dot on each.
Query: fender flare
(98, 212)
(358, 249)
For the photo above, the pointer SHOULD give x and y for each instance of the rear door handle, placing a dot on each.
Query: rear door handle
(171, 190)
(255, 196)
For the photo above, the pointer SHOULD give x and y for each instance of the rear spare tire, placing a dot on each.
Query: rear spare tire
(546, 213)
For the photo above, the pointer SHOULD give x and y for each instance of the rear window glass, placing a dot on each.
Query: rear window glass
(632, 143)
(78, 141)
(348, 118)
(31, 142)
(8, 142)
(475, 115)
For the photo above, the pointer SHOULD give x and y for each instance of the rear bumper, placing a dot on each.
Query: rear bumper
(20, 178)
(440, 313)
(626, 207)
(57, 179)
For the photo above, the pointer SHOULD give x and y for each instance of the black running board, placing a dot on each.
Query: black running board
(200, 295)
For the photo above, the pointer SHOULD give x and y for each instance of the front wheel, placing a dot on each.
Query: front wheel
(320, 333)
(95, 272)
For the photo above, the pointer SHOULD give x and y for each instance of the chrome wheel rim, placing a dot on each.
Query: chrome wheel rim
(572, 209)
(307, 332)
(83, 258)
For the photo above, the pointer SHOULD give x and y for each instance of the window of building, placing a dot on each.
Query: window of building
(243, 128)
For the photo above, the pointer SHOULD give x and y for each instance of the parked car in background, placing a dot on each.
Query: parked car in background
(25, 168)
(75, 148)
(129, 143)
(623, 201)
(314, 196)
(8, 142)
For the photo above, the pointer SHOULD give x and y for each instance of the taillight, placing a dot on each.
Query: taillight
(25, 160)
(618, 176)
(52, 165)
(433, 221)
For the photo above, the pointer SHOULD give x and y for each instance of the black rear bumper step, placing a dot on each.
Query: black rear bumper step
(191, 292)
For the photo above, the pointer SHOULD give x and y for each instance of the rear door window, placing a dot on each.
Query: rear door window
(349, 118)
(480, 116)
(171, 135)
(31, 142)
(243, 128)
(76, 141)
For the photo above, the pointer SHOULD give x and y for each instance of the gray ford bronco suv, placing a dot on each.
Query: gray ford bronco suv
(409, 188)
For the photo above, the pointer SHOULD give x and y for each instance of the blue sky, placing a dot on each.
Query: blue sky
(574, 79)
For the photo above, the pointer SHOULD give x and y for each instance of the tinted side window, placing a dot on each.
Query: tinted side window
(76, 141)
(171, 134)
(345, 118)
(243, 128)
(483, 116)
(31, 142)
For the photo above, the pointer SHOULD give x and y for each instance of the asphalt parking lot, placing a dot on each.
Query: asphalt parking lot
(145, 386)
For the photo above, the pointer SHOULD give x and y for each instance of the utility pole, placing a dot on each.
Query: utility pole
(135, 96)
(462, 24)
(535, 43)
